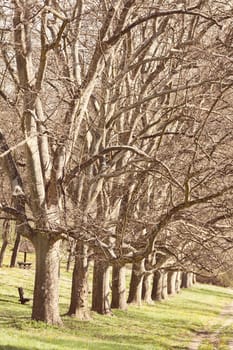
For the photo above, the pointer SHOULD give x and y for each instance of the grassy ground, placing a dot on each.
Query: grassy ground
(166, 325)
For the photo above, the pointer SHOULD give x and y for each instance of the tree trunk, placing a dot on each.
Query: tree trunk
(135, 289)
(118, 288)
(194, 278)
(45, 298)
(79, 292)
(164, 288)
(147, 288)
(187, 280)
(171, 282)
(157, 286)
(5, 234)
(3, 250)
(15, 250)
(178, 281)
(69, 259)
(71, 253)
(100, 288)
(190, 279)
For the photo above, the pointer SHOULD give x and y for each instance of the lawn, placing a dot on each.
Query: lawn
(169, 324)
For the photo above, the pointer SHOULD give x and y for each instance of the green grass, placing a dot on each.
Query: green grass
(162, 326)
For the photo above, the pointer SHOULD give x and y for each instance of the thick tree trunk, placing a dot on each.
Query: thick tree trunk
(171, 282)
(79, 292)
(135, 288)
(147, 288)
(164, 288)
(194, 278)
(45, 299)
(118, 288)
(100, 288)
(157, 286)
(15, 250)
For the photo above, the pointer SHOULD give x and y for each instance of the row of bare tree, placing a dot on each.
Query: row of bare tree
(116, 134)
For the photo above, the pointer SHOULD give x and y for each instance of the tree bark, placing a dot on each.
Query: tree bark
(79, 293)
(190, 279)
(164, 283)
(45, 299)
(3, 250)
(171, 282)
(187, 280)
(15, 250)
(157, 286)
(147, 288)
(71, 253)
(135, 289)
(100, 288)
(5, 234)
(118, 288)
(178, 281)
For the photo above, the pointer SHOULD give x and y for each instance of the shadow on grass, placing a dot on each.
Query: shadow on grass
(9, 347)
(90, 345)
(9, 301)
(108, 344)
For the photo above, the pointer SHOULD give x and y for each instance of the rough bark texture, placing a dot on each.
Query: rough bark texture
(118, 288)
(157, 286)
(101, 289)
(45, 299)
(171, 282)
(135, 288)
(79, 292)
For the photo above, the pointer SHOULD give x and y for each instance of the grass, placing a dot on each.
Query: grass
(162, 326)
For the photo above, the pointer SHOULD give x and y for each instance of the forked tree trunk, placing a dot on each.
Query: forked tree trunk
(100, 288)
(45, 298)
(171, 282)
(15, 250)
(79, 292)
(118, 288)
(135, 288)
(147, 288)
(156, 293)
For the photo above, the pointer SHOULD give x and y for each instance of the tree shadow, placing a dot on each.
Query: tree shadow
(9, 347)
(9, 301)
